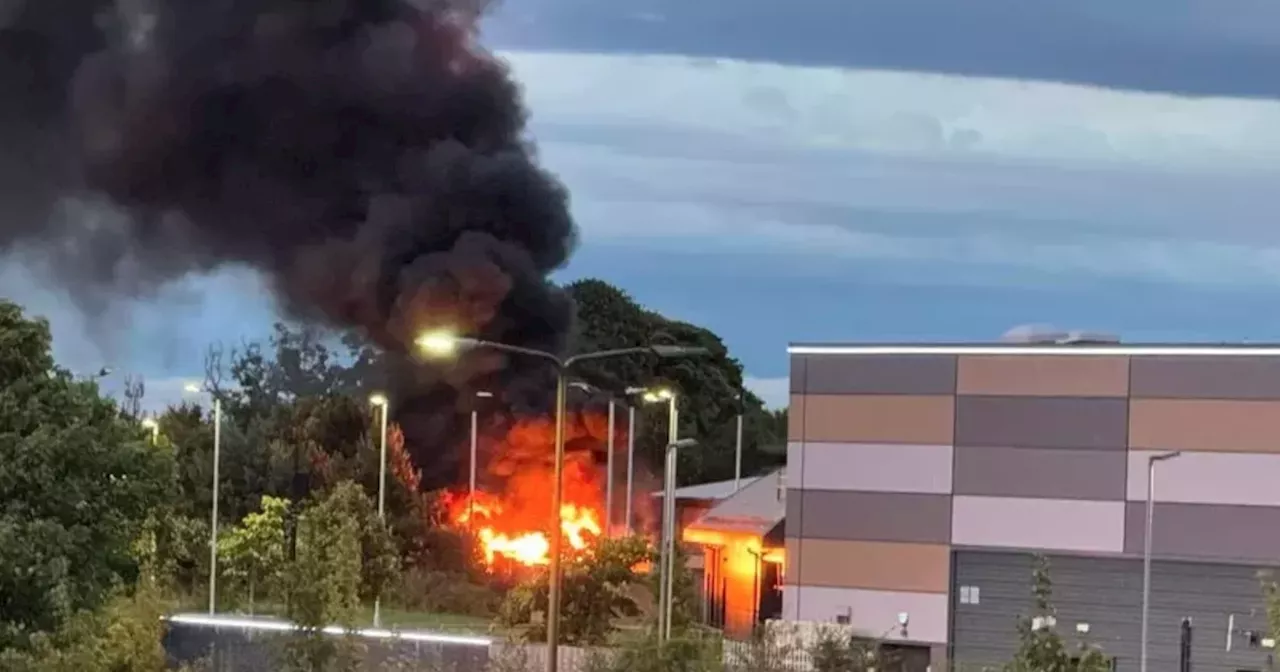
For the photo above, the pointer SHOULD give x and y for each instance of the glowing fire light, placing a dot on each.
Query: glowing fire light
(580, 526)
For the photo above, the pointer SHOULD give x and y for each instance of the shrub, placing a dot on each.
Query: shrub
(422, 589)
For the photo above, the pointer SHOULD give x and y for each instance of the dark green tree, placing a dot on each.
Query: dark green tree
(608, 318)
(77, 479)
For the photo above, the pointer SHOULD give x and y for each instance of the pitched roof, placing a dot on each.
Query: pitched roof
(754, 509)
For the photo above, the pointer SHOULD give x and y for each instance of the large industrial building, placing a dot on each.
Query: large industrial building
(920, 480)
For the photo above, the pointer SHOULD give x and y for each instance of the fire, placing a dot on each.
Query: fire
(580, 526)
(511, 518)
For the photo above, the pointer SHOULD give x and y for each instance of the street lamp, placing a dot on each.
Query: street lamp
(668, 505)
(443, 344)
(1152, 461)
(667, 557)
(381, 402)
(475, 449)
(213, 517)
(152, 426)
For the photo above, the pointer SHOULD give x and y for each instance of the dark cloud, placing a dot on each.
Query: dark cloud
(1200, 47)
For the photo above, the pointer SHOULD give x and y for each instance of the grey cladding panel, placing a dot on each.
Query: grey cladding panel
(879, 374)
(798, 371)
(1040, 473)
(1209, 377)
(1042, 422)
(1217, 532)
(1106, 593)
(873, 516)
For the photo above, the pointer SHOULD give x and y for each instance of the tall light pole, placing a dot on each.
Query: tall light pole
(475, 446)
(1152, 461)
(608, 460)
(666, 547)
(631, 463)
(383, 404)
(667, 577)
(213, 516)
(447, 345)
(737, 450)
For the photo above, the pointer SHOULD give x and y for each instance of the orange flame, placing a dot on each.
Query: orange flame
(512, 517)
(580, 526)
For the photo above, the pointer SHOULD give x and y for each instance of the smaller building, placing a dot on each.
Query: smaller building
(739, 554)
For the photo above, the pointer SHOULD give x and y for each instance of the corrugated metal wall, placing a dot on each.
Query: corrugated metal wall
(1106, 593)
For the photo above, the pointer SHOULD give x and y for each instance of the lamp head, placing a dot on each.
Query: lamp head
(191, 388)
(661, 394)
(378, 399)
(672, 351)
(150, 423)
(439, 344)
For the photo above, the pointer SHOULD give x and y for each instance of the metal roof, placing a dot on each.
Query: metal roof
(713, 490)
(1130, 349)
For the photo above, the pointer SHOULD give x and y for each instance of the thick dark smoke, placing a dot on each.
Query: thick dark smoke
(365, 156)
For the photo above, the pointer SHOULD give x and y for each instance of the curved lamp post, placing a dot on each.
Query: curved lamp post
(445, 345)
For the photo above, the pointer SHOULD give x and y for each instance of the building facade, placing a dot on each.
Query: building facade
(922, 478)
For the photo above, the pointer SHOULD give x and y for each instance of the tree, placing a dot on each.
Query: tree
(78, 480)
(1040, 647)
(254, 549)
(596, 592)
(608, 318)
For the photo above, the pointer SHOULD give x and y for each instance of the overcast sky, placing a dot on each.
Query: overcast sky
(871, 170)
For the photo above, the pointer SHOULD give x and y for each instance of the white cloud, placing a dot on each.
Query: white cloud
(827, 167)
(775, 392)
(898, 112)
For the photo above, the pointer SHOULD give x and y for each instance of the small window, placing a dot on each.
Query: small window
(970, 595)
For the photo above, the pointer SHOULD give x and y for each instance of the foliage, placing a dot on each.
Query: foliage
(684, 592)
(645, 654)
(123, 636)
(837, 650)
(254, 550)
(78, 481)
(430, 591)
(323, 583)
(608, 318)
(1041, 648)
(595, 592)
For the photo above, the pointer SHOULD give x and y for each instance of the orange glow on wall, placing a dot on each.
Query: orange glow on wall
(741, 556)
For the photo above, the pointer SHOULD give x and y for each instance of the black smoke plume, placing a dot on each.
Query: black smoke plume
(367, 157)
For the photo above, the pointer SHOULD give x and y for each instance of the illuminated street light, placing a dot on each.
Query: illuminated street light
(152, 426)
(442, 344)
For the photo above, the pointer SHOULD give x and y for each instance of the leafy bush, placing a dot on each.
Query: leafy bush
(438, 592)
(124, 635)
(595, 593)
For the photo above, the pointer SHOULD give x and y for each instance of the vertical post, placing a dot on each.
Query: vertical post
(1184, 646)
(382, 498)
(631, 463)
(737, 452)
(671, 526)
(213, 519)
(1146, 562)
(557, 535)
(608, 486)
(471, 467)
